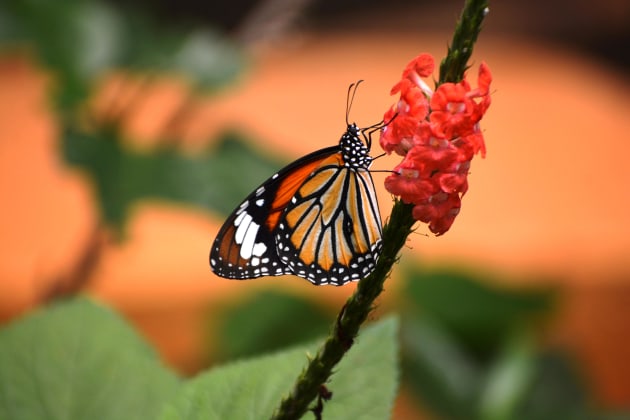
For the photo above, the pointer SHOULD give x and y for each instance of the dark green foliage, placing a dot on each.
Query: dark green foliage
(469, 351)
(479, 315)
(216, 180)
(270, 320)
(80, 40)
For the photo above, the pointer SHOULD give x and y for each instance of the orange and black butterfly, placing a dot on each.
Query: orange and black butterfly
(317, 218)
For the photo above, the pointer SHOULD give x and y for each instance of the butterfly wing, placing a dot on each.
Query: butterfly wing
(245, 246)
(330, 232)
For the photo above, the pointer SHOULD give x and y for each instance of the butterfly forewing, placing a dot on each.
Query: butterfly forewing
(330, 232)
(245, 245)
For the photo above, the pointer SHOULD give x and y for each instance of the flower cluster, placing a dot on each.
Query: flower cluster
(438, 134)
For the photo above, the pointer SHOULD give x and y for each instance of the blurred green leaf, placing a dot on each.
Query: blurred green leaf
(78, 360)
(364, 385)
(203, 56)
(611, 415)
(469, 352)
(99, 39)
(556, 392)
(207, 59)
(76, 39)
(365, 382)
(215, 180)
(509, 379)
(81, 39)
(479, 314)
(268, 321)
(442, 374)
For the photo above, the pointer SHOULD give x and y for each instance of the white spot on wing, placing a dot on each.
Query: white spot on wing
(248, 241)
(242, 225)
(259, 249)
(239, 219)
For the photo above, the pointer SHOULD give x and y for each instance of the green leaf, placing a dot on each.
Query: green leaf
(269, 320)
(80, 39)
(557, 391)
(203, 56)
(216, 180)
(366, 382)
(79, 360)
(363, 387)
(479, 314)
(444, 377)
(99, 39)
(207, 58)
(76, 39)
(509, 379)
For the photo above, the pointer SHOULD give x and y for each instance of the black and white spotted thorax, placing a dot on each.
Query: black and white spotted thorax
(354, 151)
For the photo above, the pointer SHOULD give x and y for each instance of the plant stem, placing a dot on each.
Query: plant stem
(468, 27)
(353, 314)
(395, 232)
(79, 278)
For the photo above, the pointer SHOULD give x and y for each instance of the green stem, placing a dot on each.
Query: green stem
(468, 27)
(395, 232)
(353, 314)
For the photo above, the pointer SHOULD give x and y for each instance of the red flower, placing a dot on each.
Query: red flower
(421, 66)
(452, 113)
(438, 134)
(439, 212)
(407, 184)
(411, 108)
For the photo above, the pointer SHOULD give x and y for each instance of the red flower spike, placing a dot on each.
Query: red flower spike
(438, 134)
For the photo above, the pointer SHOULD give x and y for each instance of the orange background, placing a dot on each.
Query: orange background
(551, 198)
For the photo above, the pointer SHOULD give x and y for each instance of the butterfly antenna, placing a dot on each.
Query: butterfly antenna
(352, 90)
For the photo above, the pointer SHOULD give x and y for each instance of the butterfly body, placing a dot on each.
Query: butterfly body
(317, 218)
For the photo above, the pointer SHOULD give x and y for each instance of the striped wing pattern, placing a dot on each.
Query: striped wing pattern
(330, 232)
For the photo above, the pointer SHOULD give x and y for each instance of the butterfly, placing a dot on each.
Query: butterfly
(317, 218)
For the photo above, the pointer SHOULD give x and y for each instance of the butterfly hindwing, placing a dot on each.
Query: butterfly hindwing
(245, 245)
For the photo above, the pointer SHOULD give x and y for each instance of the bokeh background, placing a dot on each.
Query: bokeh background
(128, 130)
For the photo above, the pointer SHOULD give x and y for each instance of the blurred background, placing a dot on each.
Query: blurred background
(129, 130)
